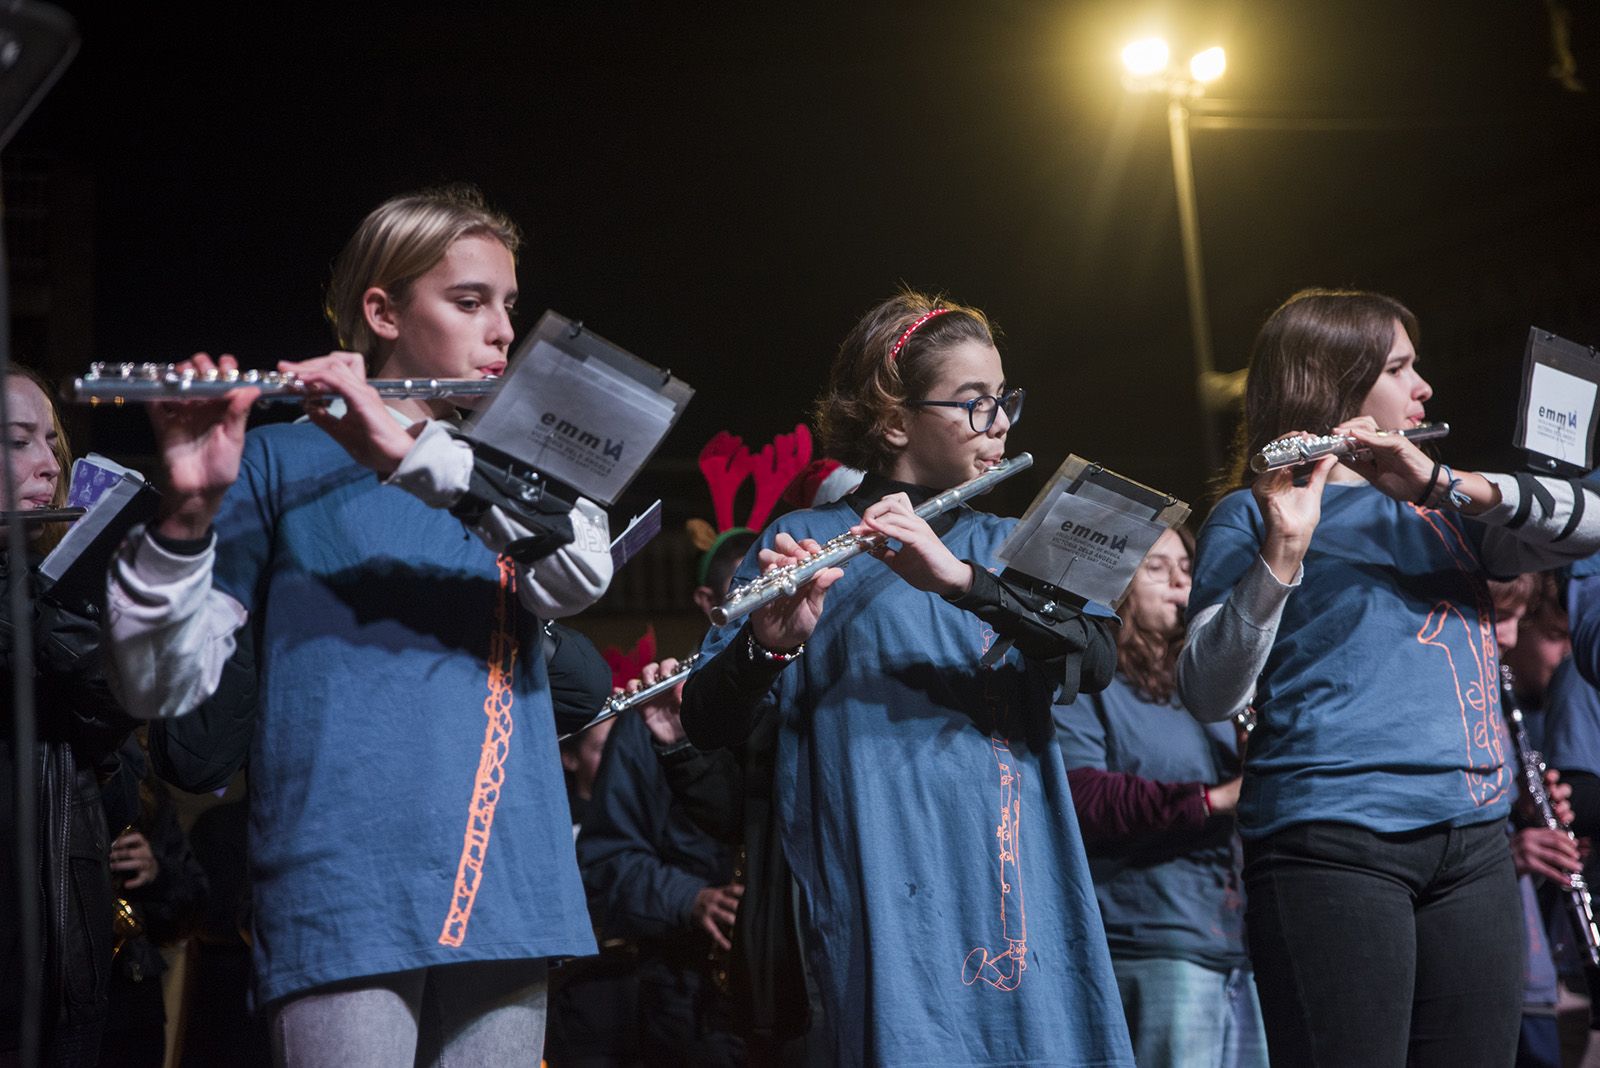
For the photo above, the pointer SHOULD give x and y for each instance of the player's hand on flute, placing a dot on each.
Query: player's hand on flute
(660, 714)
(366, 430)
(922, 559)
(1393, 464)
(786, 623)
(1290, 499)
(1399, 469)
(200, 442)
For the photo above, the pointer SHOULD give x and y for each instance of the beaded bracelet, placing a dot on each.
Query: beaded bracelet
(754, 650)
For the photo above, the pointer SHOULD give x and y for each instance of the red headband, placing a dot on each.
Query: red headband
(912, 329)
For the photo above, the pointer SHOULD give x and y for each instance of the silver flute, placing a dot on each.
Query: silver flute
(786, 581)
(623, 702)
(1291, 451)
(141, 383)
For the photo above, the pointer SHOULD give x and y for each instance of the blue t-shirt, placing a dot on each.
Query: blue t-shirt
(407, 805)
(1583, 605)
(946, 909)
(1379, 703)
(1571, 721)
(1175, 894)
(1583, 609)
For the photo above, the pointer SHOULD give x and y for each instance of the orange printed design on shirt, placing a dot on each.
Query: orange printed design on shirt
(1477, 689)
(1003, 968)
(491, 762)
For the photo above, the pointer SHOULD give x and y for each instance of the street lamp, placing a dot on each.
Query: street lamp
(1149, 67)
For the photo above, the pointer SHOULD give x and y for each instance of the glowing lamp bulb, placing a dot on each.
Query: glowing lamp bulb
(1208, 66)
(1146, 58)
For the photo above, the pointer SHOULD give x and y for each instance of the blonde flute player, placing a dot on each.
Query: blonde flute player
(411, 856)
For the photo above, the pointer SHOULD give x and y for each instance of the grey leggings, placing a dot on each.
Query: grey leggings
(479, 1013)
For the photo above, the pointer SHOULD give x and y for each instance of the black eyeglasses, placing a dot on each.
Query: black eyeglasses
(982, 411)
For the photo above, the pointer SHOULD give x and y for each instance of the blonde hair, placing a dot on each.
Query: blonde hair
(399, 241)
(50, 533)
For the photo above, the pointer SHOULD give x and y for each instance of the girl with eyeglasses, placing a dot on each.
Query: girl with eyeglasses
(1382, 910)
(945, 909)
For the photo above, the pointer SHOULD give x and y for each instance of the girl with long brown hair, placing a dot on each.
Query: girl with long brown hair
(1346, 601)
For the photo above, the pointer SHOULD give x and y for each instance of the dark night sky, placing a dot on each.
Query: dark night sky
(723, 188)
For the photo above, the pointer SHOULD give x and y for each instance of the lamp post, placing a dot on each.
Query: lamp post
(1149, 67)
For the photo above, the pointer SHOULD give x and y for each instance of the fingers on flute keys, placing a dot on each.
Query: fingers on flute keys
(787, 622)
(651, 674)
(1390, 461)
(201, 442)
(365, 428)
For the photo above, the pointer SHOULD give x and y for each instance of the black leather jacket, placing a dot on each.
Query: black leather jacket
(79, 728)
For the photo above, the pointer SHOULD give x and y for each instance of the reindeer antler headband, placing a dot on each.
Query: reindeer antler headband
(726, 464)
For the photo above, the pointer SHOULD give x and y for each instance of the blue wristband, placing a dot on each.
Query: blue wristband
(1452, 490)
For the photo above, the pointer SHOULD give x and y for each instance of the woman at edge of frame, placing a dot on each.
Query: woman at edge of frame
(79, 727)
(944, 905)
(411, 856)
(1155, 792)
(1348, 597)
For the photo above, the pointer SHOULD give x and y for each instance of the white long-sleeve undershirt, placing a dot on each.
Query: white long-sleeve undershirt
(171, 630)
(1228, 643)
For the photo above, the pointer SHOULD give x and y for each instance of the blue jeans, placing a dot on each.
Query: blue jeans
(1539, 1044)
(1387, 950)
(481, 1012)
(1185, 1015)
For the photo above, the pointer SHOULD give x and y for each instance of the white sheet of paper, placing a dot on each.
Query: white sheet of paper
(1083, 547)
(105, 493)
(1560, 413)
(578, 421)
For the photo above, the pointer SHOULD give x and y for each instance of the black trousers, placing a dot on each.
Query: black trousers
(1377, 950)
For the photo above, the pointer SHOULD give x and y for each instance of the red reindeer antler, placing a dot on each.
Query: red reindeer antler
(775, 467)
(625, 666)
(726, 463)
